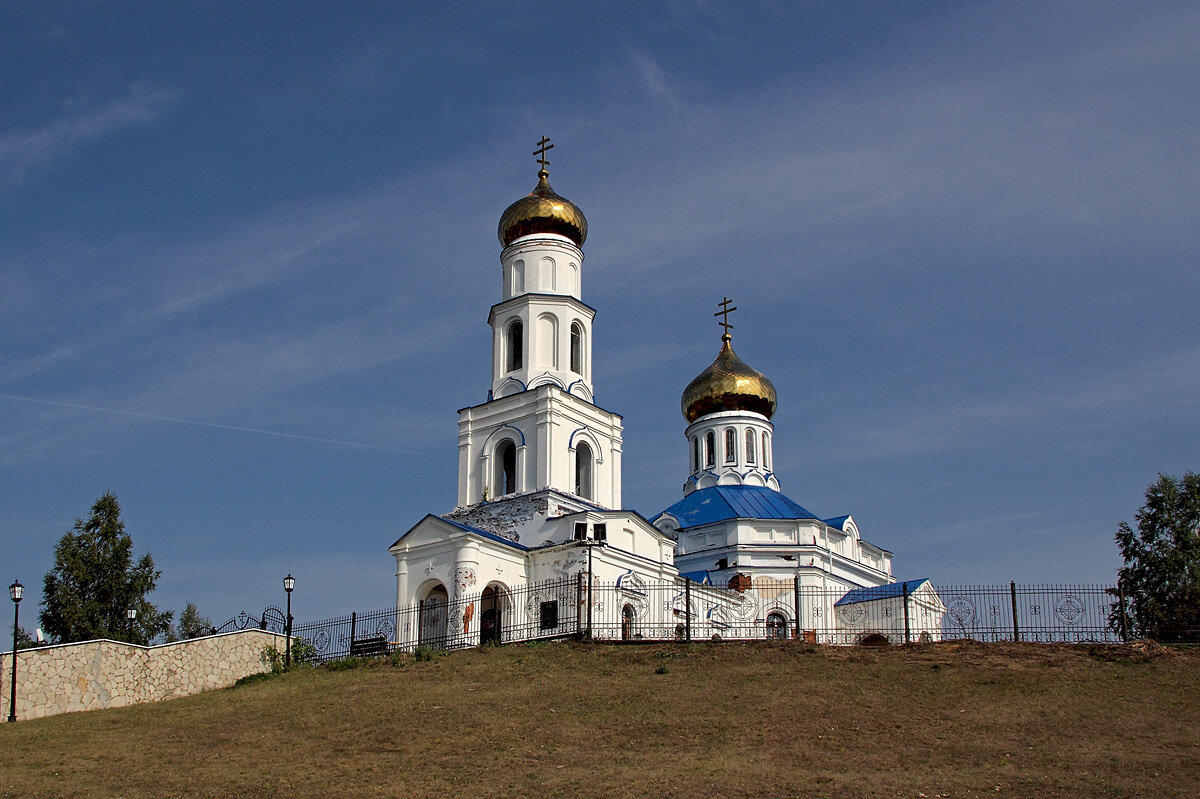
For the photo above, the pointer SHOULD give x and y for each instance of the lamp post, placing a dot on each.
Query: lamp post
(289, 583)
(131, 614)
(15, 591)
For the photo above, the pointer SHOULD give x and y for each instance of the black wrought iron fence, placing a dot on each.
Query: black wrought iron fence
(632, 610)
(271, 620)
(1037, 613)
(540, 610)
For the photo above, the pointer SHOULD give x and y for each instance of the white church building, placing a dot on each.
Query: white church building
(539, 545)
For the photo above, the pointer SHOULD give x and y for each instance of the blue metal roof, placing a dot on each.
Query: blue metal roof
(718, 503)
(880, 592)
(490, 536)
(697, 577)
(837, 521)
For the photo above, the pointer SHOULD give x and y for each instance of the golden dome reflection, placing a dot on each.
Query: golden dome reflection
(542, 211)
(728, 384)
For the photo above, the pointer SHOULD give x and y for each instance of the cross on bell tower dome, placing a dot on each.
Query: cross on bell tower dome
(542, 210)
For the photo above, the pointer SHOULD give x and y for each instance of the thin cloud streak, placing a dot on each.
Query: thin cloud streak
(25, 150)
(177, 420)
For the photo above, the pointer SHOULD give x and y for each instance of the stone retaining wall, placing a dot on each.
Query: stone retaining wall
(89, 675)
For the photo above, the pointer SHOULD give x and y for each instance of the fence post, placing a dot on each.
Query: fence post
(1124, 621)
(1012, 588)
(687, 608)
(353, 623)
(904, 591)
(796, 604)
(579, 605)
(589, 595)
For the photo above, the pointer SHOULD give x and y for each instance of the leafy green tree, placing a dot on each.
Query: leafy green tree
(95, 581)
(24, 639)
(1161, 575)
(192, 624)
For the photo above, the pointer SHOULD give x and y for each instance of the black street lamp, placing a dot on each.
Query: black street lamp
(289, 583)
(15, 591)
(131, 614)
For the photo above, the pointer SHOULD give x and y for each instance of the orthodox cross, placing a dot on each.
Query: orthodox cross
(543, 146)
(724, 313)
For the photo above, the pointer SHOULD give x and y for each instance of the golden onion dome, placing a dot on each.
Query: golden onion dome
(728, 384)
(543, 211)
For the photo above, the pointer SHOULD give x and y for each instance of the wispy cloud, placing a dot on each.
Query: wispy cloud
(945, 418)
(198, 423)
(21, 151)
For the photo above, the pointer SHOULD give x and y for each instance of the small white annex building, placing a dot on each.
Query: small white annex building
(539, 486)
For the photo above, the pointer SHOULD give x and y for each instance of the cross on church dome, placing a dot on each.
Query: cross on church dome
(542, 210)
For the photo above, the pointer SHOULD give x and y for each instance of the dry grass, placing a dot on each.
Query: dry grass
(729, 720)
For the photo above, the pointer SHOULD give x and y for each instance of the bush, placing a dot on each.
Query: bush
(272, 658)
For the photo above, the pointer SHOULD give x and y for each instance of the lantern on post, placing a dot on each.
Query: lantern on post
(15, 592)
(289, 583)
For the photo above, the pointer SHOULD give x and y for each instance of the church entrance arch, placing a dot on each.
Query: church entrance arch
(776, 627)
(434, 616)
(628, 615)
(492, 616)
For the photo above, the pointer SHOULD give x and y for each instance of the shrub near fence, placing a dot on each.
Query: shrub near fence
(632, 610)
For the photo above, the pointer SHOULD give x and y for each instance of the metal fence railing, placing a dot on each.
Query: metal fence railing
(634, 610)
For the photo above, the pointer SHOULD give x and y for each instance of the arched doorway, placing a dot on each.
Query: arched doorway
(628, 615)
(433, 616)
(776, 627)
(491, 617)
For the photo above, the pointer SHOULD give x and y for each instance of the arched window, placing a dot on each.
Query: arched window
(628, 616)
(515, 346)
(545, 347)
(577, 348)
(710, 449)
(583, 470)
(695, 455)
(766, 452)
(749, 446)
(506, 468)
(730, 445)
(776, 626)
(518, 278)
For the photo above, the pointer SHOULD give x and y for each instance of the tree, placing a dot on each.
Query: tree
(192, 624)
(24, 639)
(1161, 575)
(94, 582)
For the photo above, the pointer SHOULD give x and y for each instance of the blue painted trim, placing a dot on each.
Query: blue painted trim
(571, 441)
(510, 427)
(547, 380)
(590, 397)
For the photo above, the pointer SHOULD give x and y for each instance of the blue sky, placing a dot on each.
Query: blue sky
(249, 248)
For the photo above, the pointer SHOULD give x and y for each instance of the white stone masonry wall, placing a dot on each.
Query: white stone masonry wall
(90, 675)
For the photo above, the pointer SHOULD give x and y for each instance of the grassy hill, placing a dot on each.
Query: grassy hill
(730, 720)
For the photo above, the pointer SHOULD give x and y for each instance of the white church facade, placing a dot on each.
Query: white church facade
(539, 545)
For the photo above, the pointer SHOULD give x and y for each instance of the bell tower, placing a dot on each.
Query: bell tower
(539, 429)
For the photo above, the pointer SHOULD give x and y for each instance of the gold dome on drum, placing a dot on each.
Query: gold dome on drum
(728, 385)
(543, 211)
